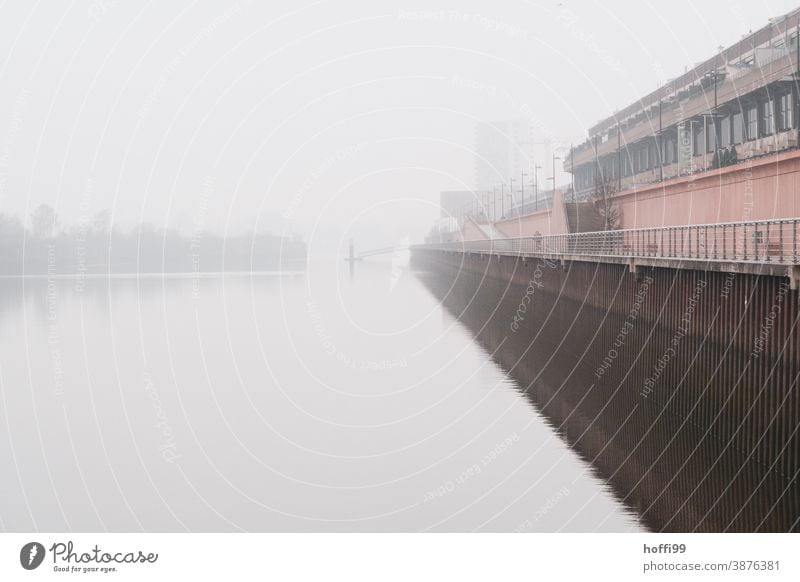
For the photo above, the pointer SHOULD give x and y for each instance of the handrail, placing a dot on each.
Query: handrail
(761, 241)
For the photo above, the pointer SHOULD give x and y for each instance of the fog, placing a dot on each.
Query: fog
(325, 120)
(183, 349)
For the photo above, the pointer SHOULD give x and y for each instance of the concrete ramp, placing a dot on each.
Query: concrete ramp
(490, 231)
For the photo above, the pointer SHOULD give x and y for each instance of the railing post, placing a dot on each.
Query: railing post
(744, 257)
(672, 242)
(714, 230)
(682, 242)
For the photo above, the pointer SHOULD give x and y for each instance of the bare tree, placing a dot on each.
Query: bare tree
(605, 205)
(44, 221)
(11, 228)
(101, 223)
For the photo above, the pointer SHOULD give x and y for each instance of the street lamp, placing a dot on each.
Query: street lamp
(536, 186)
(511, 196)
(554, 175)
(715, 75)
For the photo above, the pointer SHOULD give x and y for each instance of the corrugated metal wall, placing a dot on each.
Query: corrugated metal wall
(680, 386)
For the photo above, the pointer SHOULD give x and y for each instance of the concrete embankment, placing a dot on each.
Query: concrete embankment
(679, 386)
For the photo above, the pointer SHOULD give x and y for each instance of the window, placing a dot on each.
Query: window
(738, 127)
(671, 151)
(768, 117)
(699, 139)
(752, 122)
(724, 132)
(712, 134)
(785, 112)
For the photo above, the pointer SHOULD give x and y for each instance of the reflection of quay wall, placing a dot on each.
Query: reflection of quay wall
(703, 439)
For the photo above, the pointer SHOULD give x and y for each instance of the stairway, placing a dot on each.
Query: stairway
(583, 217)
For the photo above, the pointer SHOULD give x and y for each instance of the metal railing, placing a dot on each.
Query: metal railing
(766, 241)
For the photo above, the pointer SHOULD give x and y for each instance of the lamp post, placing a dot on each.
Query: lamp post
(510, 196)
(572, 169)
(536, 186)
(715, 75)
(522, 176)
(691, 138)
(555, 157)
(660, 140)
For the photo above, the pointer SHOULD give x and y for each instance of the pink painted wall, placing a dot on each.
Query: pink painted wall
(544, 221)
(759, 189)
(471, 231)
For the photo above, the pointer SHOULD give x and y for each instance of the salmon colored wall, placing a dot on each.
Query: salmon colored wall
(752, 190)
(759, 189)
(544, 221)
(470, 231)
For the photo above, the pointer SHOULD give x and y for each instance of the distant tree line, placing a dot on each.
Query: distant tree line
(96, 247)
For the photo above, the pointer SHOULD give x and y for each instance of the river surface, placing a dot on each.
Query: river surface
(328, 400)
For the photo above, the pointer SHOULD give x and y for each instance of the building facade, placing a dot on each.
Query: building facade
(503, 150)
(739, 105)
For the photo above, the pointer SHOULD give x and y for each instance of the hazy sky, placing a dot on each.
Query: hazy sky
(326, 119)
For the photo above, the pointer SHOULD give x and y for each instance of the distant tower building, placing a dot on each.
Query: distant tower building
(456, 203)
(503, 150)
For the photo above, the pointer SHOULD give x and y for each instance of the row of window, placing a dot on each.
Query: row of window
(754, 121)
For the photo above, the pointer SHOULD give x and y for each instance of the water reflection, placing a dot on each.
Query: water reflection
(323, 401)
(677, 476)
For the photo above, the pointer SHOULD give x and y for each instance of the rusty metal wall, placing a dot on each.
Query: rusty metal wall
(680, 386)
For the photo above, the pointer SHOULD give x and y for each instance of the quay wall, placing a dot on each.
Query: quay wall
(679, 386)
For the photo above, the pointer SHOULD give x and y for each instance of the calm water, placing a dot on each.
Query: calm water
(323, 401)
